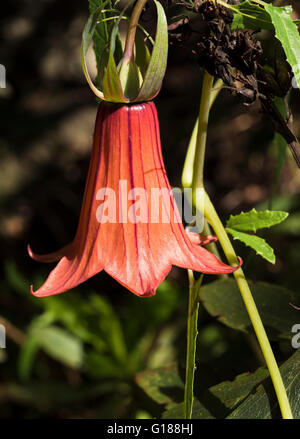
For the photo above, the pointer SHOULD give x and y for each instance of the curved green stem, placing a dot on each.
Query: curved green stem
(214, 220)
(187, 173)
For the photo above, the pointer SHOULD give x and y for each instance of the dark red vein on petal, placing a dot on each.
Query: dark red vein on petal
(132, 186)
(181, 229)
(145, 110)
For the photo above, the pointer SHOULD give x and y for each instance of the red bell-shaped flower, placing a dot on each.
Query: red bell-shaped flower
(123, 228)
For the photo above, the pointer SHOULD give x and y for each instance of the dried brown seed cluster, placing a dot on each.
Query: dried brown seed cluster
(236, 57)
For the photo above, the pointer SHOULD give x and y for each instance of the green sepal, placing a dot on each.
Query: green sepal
(158, 61)
(111, 84)
(141, 78)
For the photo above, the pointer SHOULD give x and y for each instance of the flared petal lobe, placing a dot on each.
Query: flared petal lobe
(129, 223)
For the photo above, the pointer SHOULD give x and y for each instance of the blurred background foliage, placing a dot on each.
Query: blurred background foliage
(81, 354)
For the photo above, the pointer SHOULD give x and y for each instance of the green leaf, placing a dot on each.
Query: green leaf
(27, 356)
(263, 404)
(219, 400)
(249, 396)
(158, 60)
(101, 31)
(163, 385)
(60, 344)
(111, 328)
(111, 84)
(222, 299)
(252, 221)
(87, 36)
(93, 320)
(256, 243)
(55, 394)
(251, 16)
(287, 33)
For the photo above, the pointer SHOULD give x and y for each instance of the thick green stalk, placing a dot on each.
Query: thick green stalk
(194, 287)
(207, 208)
(192, 332)
(187, 173)
(213, 218)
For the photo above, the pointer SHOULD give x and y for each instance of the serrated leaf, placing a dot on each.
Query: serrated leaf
(223, 300)
(252, 394)
(158, 60)
(219, 400)
(263, 404)
(256, 243)
(251, 16)
(165, 386)
(287, 33)
(252, 221)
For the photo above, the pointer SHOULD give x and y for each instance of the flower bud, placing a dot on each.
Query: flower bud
(130, 78)
(133, 80)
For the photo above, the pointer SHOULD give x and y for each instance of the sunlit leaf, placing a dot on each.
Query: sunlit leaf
(258, 244)
(287, 33)
(251, 16)
(252, 221)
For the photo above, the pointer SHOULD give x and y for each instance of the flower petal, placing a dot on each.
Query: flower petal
(49, 257)
(141, 237)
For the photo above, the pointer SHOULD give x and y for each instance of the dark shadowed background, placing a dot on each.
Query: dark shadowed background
(77, 355)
